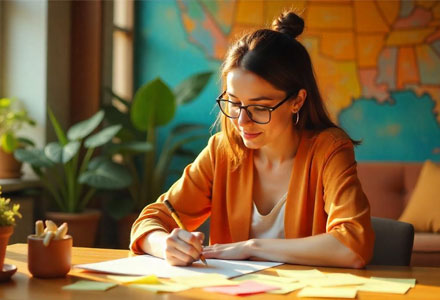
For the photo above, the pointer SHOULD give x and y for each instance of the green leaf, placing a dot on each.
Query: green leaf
(70, 150)
(96, 161)
(54, 152)
(9, 142)
(34, 157)
(190, 88)
(102, 137)
(107, 175)
(84, 128)
(59, 154)
(118, 207)
(56, 126)
(154, 104)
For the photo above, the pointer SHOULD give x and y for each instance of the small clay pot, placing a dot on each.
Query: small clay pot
(51, 261)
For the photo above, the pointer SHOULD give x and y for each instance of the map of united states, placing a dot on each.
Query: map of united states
(387, 52)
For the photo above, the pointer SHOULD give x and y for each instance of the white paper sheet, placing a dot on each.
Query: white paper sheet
(149, 265)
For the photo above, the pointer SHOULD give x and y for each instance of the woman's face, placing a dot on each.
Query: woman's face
(245, 88)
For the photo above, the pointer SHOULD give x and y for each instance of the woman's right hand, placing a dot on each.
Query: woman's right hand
(182, 248)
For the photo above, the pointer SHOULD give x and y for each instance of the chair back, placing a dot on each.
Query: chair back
(394, 242)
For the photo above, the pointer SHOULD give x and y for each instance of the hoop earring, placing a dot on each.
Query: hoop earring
(297, 118)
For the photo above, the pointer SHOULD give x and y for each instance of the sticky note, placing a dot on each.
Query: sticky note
(328, 292)
(381, 286)
(204, 280)
(411, 281)
(150, 279)
(285, 284)
(335, 279)
(300, 274)
(263, 277)
(157, 288)
(244, 288)
(87, 285)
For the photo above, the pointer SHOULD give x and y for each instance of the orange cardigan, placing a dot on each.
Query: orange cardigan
(324, 195)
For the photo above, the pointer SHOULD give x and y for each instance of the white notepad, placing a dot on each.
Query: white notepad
(149, 265)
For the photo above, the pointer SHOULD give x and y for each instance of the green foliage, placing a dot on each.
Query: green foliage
(66, 167)
(8, 214)
(12, 118)
(153, 105)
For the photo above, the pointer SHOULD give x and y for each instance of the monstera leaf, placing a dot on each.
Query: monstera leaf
(154, 104)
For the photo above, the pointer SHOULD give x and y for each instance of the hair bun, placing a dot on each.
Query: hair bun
(289, 23)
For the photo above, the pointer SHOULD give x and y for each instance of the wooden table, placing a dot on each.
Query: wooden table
(23, 286)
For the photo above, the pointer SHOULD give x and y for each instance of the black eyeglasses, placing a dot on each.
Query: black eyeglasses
(257, 113)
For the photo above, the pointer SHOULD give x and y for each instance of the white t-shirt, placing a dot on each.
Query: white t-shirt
(270, 226)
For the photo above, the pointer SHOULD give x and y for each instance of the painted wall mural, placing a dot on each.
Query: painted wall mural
(377, 62)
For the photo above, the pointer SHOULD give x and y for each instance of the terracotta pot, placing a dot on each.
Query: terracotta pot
(82, 226)
(9, 166)
(124, 228)
(5, 233)
(51, 261)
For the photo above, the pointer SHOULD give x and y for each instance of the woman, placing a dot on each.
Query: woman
(279, 181)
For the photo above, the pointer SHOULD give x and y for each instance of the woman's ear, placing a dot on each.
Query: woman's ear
(299, 100)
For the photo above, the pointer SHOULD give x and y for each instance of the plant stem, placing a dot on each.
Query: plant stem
(53, 192)
(83, 167)
(85, 200)
(148, 167)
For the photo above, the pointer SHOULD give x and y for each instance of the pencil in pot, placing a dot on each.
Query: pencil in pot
(179, 222)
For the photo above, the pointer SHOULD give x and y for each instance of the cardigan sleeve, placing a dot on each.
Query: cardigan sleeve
(190, 196)
(346, 205)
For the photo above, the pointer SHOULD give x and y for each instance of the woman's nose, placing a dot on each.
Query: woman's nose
(243, 118)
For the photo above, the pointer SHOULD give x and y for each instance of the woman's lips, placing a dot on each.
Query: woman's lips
(249, 136)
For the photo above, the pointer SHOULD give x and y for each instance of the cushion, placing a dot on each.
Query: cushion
(423, 209)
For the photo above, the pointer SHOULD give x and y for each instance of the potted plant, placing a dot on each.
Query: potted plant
(12, 118)
(71, 175)
(153, 105)
(7, 223)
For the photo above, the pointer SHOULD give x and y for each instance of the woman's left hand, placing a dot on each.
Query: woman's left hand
(239, 250)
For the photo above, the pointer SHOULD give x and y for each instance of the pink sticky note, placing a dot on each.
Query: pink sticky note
(246, 287)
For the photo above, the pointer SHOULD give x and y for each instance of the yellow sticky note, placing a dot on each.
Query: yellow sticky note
(204, 280)
(328, 292)
(300, 274)
(157, 288)
(335, 279)
(150, 279)
(381, 286)
(411, 281)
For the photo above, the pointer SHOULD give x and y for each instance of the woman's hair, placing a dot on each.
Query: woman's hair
(276, 56)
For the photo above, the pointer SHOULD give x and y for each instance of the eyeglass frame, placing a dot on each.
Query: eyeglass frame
(245, 107)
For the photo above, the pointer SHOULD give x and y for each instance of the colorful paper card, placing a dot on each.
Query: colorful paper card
(301, 274)
(328, 292)
(244, 288)
(149, 279)
(86, 285)
(204, 280)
